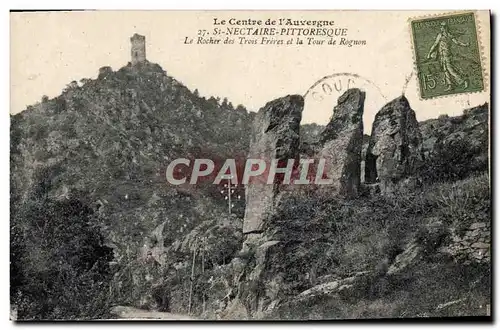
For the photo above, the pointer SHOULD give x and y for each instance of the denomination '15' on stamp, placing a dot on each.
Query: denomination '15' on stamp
(447, 54)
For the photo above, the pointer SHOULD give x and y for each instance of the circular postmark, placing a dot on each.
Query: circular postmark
(321, 98)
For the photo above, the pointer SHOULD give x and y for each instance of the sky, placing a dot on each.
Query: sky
(50, 49)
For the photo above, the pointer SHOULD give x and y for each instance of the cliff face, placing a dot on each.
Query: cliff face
(108, 141)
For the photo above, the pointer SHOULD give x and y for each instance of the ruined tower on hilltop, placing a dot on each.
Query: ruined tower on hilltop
(138, 48)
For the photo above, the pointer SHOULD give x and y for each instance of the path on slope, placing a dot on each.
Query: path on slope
(129, 313)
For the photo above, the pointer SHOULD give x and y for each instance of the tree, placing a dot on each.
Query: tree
(104, 72)
(213, 102)
(73, 85)
(85, 81)
(241, 108)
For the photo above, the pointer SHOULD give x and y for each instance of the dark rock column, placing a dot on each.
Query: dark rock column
(341, 143)
(275, 135)
(394, 148)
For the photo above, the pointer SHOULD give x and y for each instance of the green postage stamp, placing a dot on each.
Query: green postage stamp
(447, 54)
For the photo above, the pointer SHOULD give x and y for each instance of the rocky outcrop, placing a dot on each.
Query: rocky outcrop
(275, 135)
(427, 242)
(472, 125)
(263, 283)
(131, 313)
(394, 148)
(268, 239)
(474, 246)
(342, 141)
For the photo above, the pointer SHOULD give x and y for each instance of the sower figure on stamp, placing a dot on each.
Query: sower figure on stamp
(443, 45)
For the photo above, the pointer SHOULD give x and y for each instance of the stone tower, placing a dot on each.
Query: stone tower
(138, 48)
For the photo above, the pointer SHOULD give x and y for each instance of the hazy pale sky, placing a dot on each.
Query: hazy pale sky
(48, 50)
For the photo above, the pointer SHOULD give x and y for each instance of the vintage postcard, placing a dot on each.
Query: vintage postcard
(250, 165)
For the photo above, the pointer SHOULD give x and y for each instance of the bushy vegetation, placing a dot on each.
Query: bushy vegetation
(454, 160)
(334, 239)
(455, 147)
(165, 282)
(463, 202)
(59, 263)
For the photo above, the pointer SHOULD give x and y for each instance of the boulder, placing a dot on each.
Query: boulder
(480, 245)
(317, 301)
(275, 135)
(409, 257)
(394, 148)
(336, 286)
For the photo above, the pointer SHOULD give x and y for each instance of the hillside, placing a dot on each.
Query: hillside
(94, 223)
(458, 145)
(106, 142)
(110, 139)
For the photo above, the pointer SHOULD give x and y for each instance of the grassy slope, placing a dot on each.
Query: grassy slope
(371, 231)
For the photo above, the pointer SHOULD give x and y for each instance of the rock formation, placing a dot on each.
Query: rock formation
(275, 135)
(270, 237)
(394, 148)
(342, 141)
